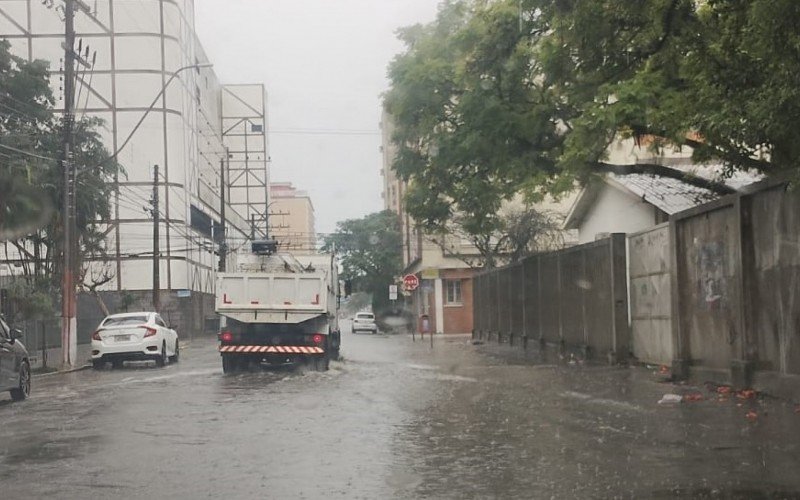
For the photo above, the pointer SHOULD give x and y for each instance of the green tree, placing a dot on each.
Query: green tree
(31, 176)
(25, 116)
(496, 98)
(370, 251)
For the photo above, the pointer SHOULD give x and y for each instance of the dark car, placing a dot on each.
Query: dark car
(15, 368)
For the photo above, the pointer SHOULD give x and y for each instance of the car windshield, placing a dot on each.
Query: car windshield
(125, 320)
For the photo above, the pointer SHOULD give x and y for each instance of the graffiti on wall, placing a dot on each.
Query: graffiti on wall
(711, 280)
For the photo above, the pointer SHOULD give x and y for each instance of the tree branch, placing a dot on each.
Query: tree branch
(732, 156)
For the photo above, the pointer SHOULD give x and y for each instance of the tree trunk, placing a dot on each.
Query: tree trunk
(100, 302)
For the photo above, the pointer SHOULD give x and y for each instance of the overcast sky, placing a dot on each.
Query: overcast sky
(324, 65)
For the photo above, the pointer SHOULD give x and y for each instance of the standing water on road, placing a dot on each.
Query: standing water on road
(392, 419)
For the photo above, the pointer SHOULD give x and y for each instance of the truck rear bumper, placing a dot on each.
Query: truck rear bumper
(271, 349)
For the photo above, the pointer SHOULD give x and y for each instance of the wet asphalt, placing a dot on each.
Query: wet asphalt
(392, 419)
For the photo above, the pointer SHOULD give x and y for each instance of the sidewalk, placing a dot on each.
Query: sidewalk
(781, 388)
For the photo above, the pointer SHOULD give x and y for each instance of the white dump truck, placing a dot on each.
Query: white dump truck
(279, 309)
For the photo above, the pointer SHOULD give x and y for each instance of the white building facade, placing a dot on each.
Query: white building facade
(196, 126)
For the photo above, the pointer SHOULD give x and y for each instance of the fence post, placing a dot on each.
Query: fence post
(524, 303)
(560, 297)
(680, 343)
(619, 284)
(743, 368)
(539, 300)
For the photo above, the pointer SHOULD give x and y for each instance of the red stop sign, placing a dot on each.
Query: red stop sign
(410, 282)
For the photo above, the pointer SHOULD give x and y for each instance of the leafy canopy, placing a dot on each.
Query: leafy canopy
(496, 98)
(31, 175)
(370, 253)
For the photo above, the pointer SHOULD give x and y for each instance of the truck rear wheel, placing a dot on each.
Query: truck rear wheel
(335, 341)
(230, 364)
(318, 363)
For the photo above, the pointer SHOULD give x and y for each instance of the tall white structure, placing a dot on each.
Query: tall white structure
(194, 126)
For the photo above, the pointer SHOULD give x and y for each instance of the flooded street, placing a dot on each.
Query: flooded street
(393, 419)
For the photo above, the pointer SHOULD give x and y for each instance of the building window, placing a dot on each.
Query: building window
(453, 288)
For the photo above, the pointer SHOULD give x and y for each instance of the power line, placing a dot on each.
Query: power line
(28, 153)
(323, 132)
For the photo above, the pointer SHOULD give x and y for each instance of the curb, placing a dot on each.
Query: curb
(60, 372)
(184, 344)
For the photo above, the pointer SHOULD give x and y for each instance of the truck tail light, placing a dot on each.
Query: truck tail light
(149, 331)
(96, 335)
(226, 337)
(318, 338)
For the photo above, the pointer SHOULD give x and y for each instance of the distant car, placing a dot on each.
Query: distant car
(15, 367)
(364, 322)
(134, 337)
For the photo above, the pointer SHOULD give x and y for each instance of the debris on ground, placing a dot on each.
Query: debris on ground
(724, 389)
(663, 370)
(669, 399)
(693, 396)
(477, 342)
(751, 416)
(746, 394)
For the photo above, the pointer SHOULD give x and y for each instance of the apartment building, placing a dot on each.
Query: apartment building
(291, 218)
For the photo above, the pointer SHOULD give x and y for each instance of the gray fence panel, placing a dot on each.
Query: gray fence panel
(517, 279)
(504, 301)
(599, 299)
(773, 234)
(492, 302)
(651, 295)
(572, 302)
(550, 297)
(531, 286)
(707, 253)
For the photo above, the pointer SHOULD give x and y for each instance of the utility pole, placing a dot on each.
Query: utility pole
(156, 249)
(69, 341)
(223, 245)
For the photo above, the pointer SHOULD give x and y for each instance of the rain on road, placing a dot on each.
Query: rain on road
(393, 419)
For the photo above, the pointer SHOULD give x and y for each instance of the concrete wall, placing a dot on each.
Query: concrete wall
(575, 297)
(649, 269)
(708, 273)
(736, 286)
(771, 226)
(716, 291)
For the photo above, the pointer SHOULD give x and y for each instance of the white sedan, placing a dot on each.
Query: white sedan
(364, 322)
(134, 337)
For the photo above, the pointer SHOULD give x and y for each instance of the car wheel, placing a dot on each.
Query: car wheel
(98, 364)
(174, 358)
(24, 388)
(161, 360)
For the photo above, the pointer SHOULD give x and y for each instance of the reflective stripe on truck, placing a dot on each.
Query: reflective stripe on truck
(282, 349)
